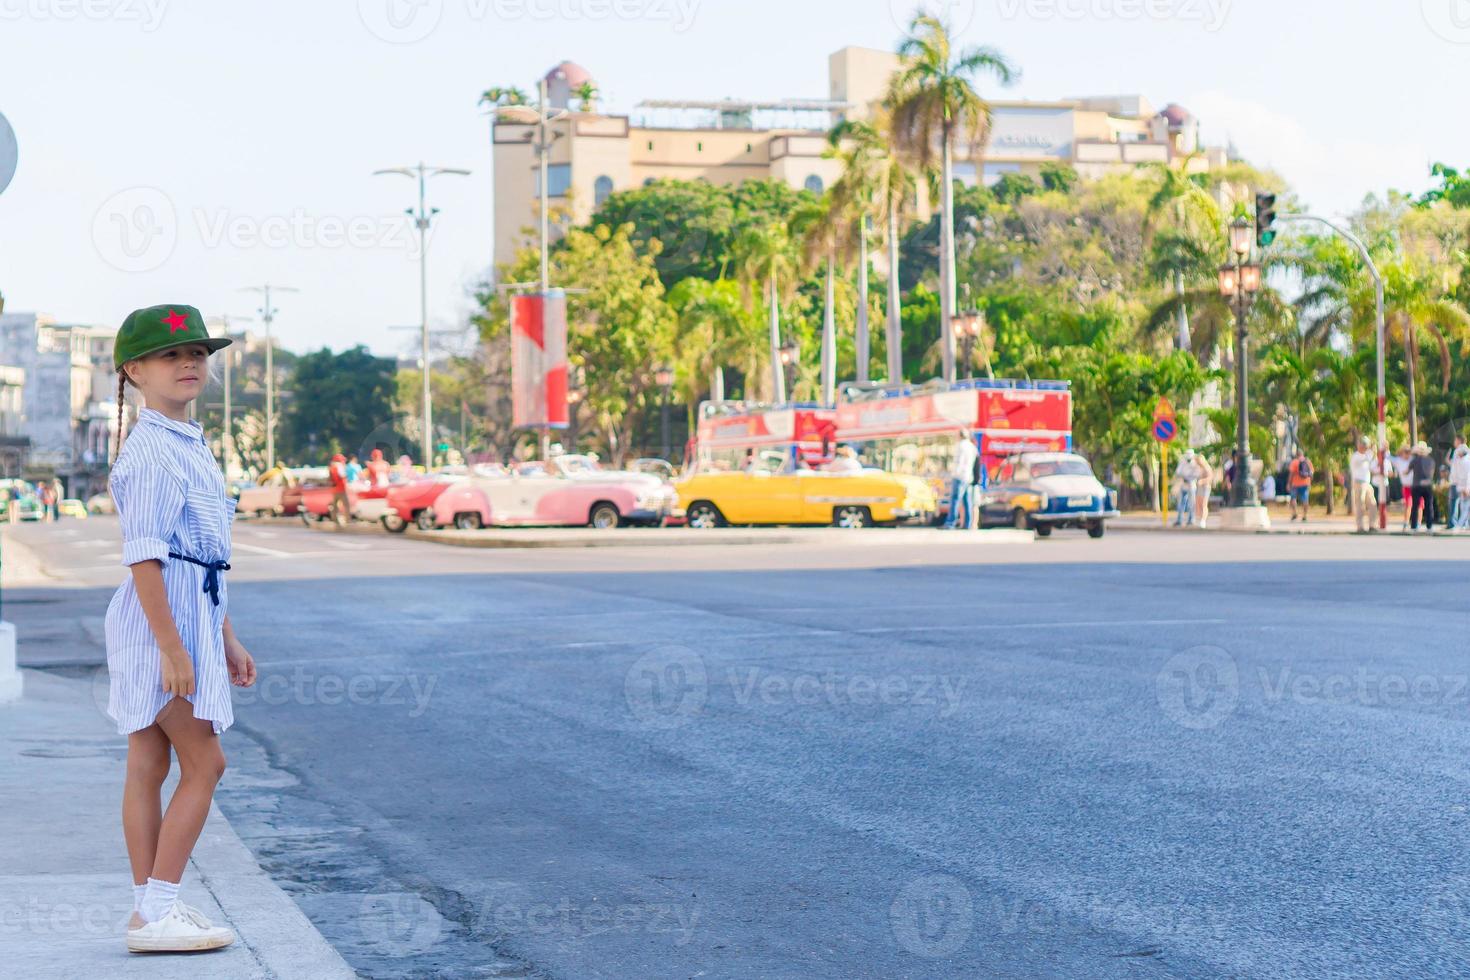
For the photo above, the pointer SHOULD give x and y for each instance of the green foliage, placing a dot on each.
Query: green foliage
(337, 403)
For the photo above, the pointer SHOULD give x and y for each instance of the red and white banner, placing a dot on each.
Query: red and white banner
(538, 347)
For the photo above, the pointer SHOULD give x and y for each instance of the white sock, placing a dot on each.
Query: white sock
(158, 899)
(138, 891)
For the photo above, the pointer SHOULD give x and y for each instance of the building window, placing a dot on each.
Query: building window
(814, 184)
(698, 147)
(647, 181)
(747, 147)
(559, 176)
(601, 188)
(650, 144)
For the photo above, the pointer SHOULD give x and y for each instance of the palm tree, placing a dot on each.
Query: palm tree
(587, 96)
(933, 103)
(713, 330)
(504, 95)
(874, 183)
(1181, 252)
(825, 232)
(763, 253)
(1415, 300)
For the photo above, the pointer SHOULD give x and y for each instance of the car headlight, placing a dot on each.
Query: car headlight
(1042, 501)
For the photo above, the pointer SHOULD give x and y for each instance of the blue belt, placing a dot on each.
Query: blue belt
(211, 573)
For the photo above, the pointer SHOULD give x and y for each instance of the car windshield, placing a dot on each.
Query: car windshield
(1061, 467)
(572, 465)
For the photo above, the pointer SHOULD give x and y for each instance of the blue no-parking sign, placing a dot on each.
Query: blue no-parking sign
(1165, 425)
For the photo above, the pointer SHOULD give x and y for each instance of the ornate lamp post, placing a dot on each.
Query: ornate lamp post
(663, 376)
(1238, 283)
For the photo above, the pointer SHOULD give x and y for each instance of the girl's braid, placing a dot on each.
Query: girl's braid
(122, 383)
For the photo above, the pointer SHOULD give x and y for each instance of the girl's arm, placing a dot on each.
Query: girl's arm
(177, 668)
(241, 663)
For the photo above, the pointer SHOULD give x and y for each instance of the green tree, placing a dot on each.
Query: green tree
(934, 102)
(336, 403)
(765, 255)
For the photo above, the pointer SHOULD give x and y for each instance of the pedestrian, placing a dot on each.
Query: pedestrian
(1186, 476)
(1299, 482)
(337, 470)
(1421, 488)
(1202, 488)
(1360, 470)
(1400, 462)
(354, 468)
(1460, 487)
(962, 481)
(43, 497)
(377, 468)
(844, 460)
(1268, 488)
(172, 653)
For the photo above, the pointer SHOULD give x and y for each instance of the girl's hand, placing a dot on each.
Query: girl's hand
(242, 664)
(177, 670)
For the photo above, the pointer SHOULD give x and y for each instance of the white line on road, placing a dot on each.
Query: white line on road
(262, 550)
(1022, 626)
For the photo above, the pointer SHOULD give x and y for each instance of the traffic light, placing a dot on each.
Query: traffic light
(1265, 216)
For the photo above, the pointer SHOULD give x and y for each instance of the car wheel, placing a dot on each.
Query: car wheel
(1019, 520)
(468, 521)
(1095, 529)
(1043, 530)
(852, 516)
(394, 524)
(703, 514)
(604, 516)
(424, 520)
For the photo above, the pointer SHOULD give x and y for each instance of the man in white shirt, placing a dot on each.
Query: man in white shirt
(962, 481)
(1460, 487)
(1360, 469)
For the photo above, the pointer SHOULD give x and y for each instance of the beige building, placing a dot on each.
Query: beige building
(727, 141)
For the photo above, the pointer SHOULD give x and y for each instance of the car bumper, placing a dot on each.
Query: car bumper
(1063, 517)
(913, 515)
(651, 515)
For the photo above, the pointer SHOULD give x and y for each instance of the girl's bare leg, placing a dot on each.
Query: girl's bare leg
(142, 809)
(201, 764)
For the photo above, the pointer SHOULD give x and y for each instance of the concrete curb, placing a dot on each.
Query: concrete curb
(1310, 531)
(675, 537)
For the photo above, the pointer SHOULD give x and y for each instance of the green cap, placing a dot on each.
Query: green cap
(157, 328)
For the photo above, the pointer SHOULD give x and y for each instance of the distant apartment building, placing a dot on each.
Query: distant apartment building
(728, 141)
(66, 400)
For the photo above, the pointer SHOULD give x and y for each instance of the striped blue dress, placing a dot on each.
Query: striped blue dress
(170, 496)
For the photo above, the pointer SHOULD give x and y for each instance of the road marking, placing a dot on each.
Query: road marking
(262, 550)
(1048, 625)
(350, 545)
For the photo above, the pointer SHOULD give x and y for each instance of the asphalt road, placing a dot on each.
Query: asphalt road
(1151, 755)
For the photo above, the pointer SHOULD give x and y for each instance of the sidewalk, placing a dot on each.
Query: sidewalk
(1281, 523)
(65, 884)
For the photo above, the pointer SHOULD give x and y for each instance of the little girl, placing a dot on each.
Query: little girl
(171, 651)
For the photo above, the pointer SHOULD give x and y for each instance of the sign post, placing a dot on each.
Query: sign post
(1165, 428)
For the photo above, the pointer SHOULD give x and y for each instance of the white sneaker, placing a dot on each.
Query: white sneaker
(182, 929)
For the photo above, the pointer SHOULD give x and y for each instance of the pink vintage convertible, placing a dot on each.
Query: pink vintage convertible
(535, 494)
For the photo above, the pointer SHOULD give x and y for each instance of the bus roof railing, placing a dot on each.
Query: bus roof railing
(733, 406)
(879, 391)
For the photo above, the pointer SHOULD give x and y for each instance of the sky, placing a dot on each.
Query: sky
(182, 150)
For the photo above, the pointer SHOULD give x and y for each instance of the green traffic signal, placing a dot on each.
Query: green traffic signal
(1265, 216)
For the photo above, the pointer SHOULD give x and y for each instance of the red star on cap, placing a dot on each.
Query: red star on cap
(176, 322)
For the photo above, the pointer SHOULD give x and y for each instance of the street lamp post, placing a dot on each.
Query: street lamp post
(968, 325)
(664, 377)
(421, 221)
(268, 314)
(227, 438)
(1238, 282)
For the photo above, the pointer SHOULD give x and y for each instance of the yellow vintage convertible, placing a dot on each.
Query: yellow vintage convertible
(846, 499)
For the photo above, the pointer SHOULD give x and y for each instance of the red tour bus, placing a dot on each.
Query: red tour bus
(912, 429)
(730, 433)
